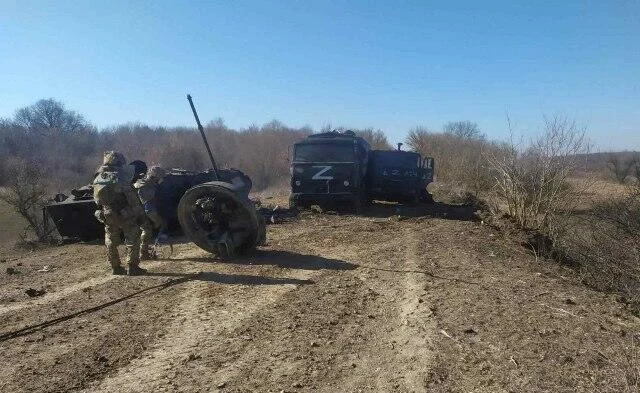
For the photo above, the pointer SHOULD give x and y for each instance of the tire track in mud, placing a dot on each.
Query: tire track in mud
(202, 316)
(398, 355)
(417, 324)
(349, 332)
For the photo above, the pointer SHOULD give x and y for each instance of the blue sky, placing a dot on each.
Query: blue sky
(390, 65)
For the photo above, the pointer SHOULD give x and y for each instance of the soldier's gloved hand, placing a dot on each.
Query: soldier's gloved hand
(99, 215)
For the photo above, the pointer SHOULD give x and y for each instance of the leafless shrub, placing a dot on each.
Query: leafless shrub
(532, 182)
(461, 162)
(26, 193)
(605, 244)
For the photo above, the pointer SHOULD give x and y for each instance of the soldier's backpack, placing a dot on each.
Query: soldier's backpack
(108, 188)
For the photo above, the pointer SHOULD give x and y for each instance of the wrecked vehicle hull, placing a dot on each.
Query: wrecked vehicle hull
(216, 215)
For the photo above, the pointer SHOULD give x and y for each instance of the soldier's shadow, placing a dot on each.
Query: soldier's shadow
(280, 258)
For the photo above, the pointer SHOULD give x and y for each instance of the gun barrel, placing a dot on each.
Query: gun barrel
(204, 137)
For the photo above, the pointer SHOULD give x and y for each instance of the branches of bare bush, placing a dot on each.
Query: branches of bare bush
(533, 182)
(26, 192)
(605, 244)
(461, 161)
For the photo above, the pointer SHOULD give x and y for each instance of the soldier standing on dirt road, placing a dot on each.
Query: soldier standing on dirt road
(119, 210)
(146, 188)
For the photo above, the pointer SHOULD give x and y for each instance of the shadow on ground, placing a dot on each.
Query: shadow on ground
(174, 279)
(238, 279)
(437, 209)
(280, 258)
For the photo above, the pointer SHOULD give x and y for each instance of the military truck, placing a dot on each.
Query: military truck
(329, 169)
(399, 176)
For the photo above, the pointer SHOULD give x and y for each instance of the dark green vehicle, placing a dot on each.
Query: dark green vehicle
(399, 176)
(329, 169)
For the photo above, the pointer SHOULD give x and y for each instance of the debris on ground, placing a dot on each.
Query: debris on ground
(46, 269)
(277, 215)
(35, 292)
(11, 270)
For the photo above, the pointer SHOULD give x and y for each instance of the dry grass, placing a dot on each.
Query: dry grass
(12, 225)
(595, 189)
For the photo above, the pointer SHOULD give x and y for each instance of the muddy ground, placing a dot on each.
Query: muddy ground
(332, 303)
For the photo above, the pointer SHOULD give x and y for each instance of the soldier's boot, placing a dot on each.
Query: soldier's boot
(136, 271)
(119, 271)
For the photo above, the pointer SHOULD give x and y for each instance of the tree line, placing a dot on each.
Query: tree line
(67, 148)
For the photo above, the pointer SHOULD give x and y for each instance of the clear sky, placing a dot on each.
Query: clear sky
(385, 64)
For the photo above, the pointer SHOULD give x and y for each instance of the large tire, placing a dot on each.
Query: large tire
(235, 218)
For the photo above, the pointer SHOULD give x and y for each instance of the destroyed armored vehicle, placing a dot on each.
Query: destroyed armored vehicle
(73, 215)
(399, 176)
(212, 208)
(329, 169)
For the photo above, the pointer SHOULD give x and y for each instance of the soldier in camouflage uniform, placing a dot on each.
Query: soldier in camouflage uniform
(120, 211)
(147, 188)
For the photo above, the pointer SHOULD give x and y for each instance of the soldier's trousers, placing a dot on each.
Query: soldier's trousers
(152, 222)
(117, 225)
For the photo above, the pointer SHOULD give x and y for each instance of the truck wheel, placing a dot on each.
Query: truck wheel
(220, 220)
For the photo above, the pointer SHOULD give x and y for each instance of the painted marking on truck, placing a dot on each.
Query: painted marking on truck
(320, 174)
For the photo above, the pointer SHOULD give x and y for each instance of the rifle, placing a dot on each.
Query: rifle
(204, 138)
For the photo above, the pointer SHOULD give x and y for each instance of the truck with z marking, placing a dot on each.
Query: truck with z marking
(330, 169)
(333, 169)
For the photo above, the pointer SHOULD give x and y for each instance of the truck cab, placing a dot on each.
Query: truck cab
(329, 169)
(399, 176)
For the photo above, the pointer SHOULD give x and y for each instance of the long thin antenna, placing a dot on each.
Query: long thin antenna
(204, 137)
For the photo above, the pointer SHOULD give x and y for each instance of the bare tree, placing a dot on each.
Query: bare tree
(26, 193)
(49, 117)
(418, 140)
(463, 129)
(376, 138)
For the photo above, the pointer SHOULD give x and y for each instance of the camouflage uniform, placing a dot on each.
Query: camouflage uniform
(121, 219)
(147, 188)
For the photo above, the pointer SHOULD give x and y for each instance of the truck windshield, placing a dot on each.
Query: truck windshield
(393, 159)
(324, 152)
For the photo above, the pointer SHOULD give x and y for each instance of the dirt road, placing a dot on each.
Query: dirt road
(331, 304)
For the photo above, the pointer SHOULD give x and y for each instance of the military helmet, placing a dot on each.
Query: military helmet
(113, 158)
(156, 172)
